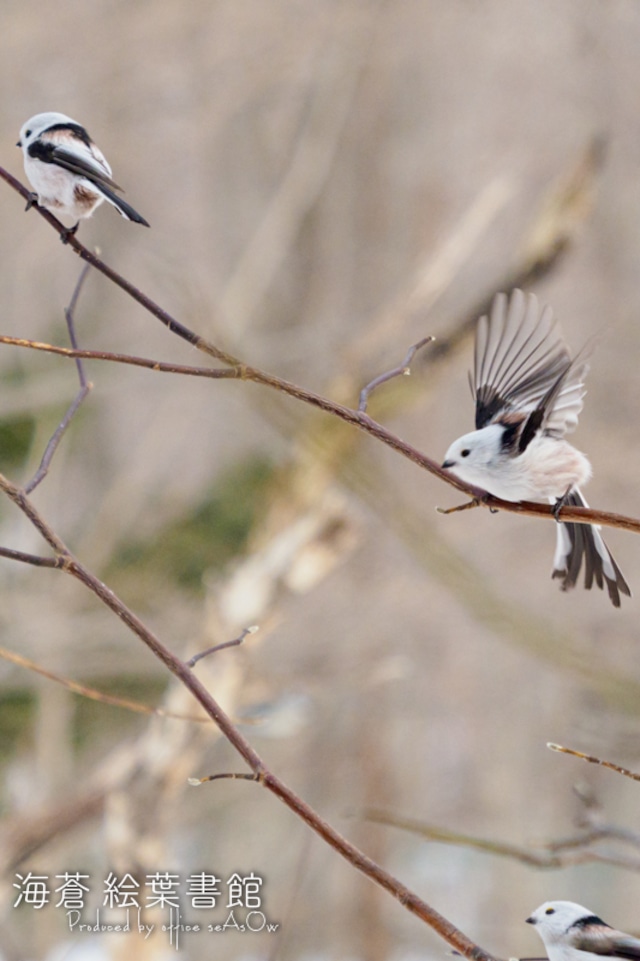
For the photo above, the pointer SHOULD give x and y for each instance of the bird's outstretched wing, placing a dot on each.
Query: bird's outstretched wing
(522, 365)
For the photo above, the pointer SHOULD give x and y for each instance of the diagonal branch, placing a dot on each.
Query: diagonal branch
(241, 371)
(90, 692)
(359, 419)
(595, 760)
(71, 565)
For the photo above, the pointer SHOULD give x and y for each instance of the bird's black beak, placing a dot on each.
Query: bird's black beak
(531, 921)
(19, 143)
(448, 463)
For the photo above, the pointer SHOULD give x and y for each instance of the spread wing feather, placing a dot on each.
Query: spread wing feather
(522, 364)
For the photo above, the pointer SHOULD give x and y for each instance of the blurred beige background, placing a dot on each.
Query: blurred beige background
(327, 182)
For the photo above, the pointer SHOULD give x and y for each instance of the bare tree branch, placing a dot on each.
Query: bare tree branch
(25, 558)
(402, 369)
(221, 647)
(595, 760)
(83, 390)
(242, 371)
(71, 565)
(90, 692)
(216, 373)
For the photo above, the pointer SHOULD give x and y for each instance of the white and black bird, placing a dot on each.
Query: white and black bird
(528, 394)
(573, 933)
(69, 174)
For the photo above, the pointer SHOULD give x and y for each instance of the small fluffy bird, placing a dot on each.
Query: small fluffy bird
(572, 933)
(528, 394)
(68, 173)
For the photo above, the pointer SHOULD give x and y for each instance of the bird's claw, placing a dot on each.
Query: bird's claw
(559, 504)
(467, 506)
(68, 232)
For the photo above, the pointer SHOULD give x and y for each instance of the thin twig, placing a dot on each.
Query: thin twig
(69, 317)
(216, 373)
(52, 446)
(90, 692)
(560, 854)
(595, 760)
(467, 506)
(83, 390)
(25, 558)
(220, 647)
(595, 835)
(197, 781)
(404, 369)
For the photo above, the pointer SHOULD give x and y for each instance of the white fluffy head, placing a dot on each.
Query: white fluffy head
(554, 918)
(472, 456)
(32, 129)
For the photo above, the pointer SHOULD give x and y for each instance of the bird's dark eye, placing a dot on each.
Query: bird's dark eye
(27, 133)
(465, 452)
(550, 911)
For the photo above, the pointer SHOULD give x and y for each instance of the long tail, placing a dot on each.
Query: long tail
(121, 205)
(583, 541)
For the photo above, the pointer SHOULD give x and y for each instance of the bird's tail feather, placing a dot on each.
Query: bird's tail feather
(121, 205)
(578, 542)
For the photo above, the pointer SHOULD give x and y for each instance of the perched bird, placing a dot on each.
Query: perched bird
(68, 173)
(572, 933)
(528, 394)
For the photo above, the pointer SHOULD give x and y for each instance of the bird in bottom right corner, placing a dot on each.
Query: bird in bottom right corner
(571, 932)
